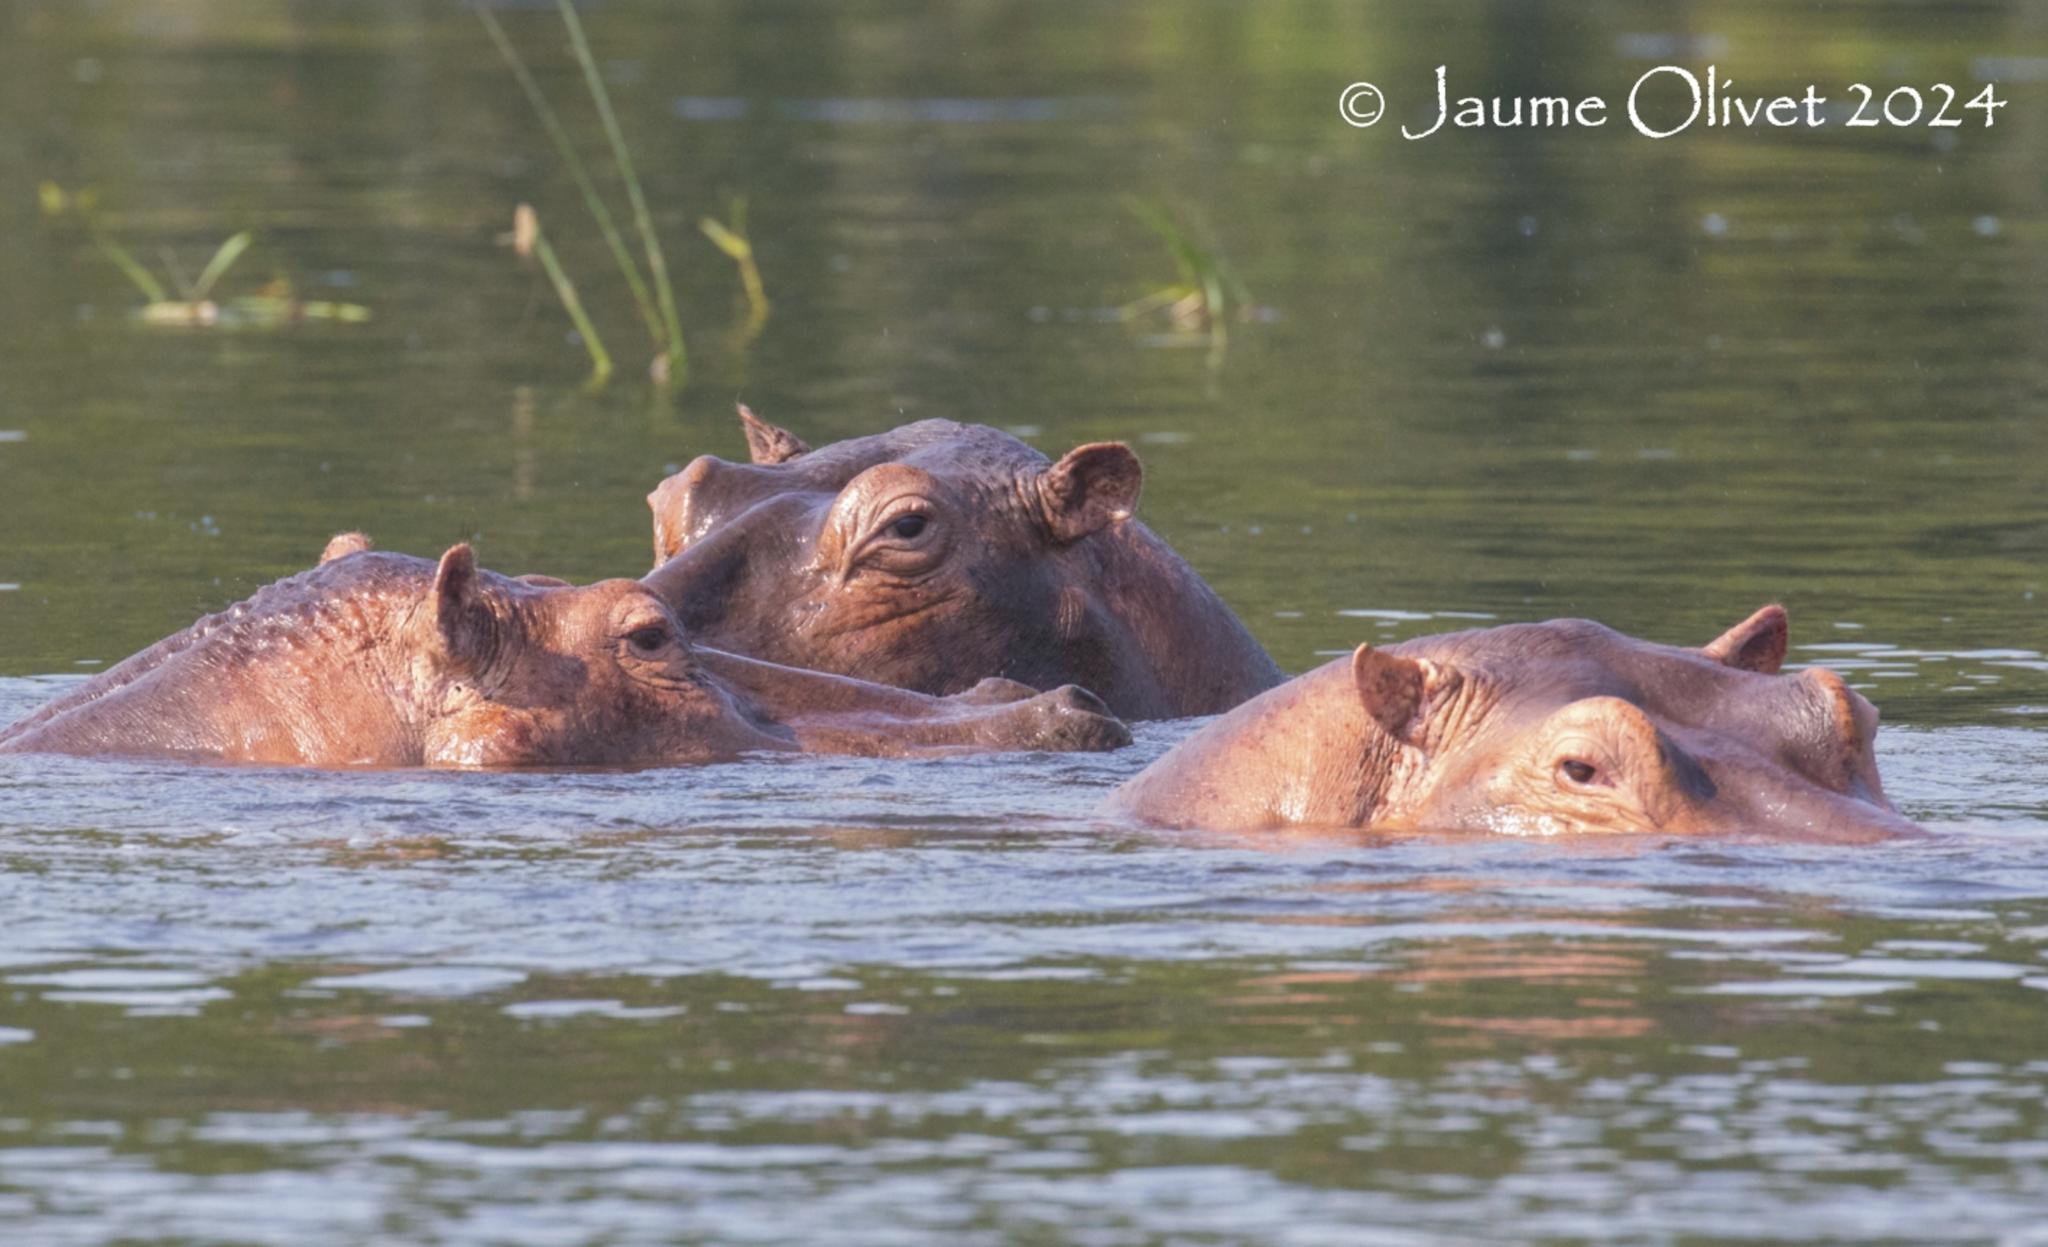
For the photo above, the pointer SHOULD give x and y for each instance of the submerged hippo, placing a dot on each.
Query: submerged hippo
(939, 554)
(376, 659)
(1539, 729)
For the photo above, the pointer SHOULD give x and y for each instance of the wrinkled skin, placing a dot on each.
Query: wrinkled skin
(385, 660)
(1563, 727)
(939, 554)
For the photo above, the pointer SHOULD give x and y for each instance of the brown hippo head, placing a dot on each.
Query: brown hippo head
(939, 554)
(510, 673)
(1548, 728)
(385, 660)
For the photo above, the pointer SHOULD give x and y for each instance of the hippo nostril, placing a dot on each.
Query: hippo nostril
(1074, 697)
(677, 506)
(1069, 718)
(1104, 734)
(698, 471)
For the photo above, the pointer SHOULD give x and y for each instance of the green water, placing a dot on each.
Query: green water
(1496, 374)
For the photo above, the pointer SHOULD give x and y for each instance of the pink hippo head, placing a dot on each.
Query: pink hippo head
(511, 673)
(1565, 727)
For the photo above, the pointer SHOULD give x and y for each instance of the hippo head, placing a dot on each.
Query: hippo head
(519, 672)
(375, 659)
(533, 671)
(928, 557)
(1568, 726)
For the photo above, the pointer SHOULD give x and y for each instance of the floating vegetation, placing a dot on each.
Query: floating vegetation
(730, 236)
(272, 306)
(1200, 303)
(653, 293)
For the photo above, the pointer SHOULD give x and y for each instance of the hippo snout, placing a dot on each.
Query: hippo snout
(1070, 718)
(1075, 698)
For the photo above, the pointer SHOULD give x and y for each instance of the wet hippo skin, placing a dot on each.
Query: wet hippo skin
(376, 659)
(1550, 728)
(939, 554)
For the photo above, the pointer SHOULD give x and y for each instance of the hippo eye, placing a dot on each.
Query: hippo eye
(1578, 772)
(649, 639)
(903, 540)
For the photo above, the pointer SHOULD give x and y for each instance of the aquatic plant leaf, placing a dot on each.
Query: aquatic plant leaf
(223, 259)
(143, 279)
(565, 290)
(643, 220)
(558, 135)
(725, 240)
(733, 241)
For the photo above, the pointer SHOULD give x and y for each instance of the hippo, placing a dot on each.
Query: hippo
(385, 660)
(1538, 729)
(939, 554)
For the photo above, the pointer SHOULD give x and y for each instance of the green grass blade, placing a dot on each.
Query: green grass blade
(642, 219)
(177, 272)
(559, 136)
(1200, 269)
(565, 290)
(734, 245)
(223, 259)
(1240, 295)
(1186, 257)
(151, 288)
(734, 242)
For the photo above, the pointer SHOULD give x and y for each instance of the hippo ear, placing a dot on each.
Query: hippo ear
(767, 444)
(1394, 690)
(1756, 644)
(1090, 488)
(462, 619)
(341, 545)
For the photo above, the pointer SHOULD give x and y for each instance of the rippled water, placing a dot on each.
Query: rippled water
(905, 1002)
(804, 1000)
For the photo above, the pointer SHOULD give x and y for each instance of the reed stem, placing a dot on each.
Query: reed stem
(144, 280)
(559, 136)
(733, 240)
(565, 290)
(642, 219)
